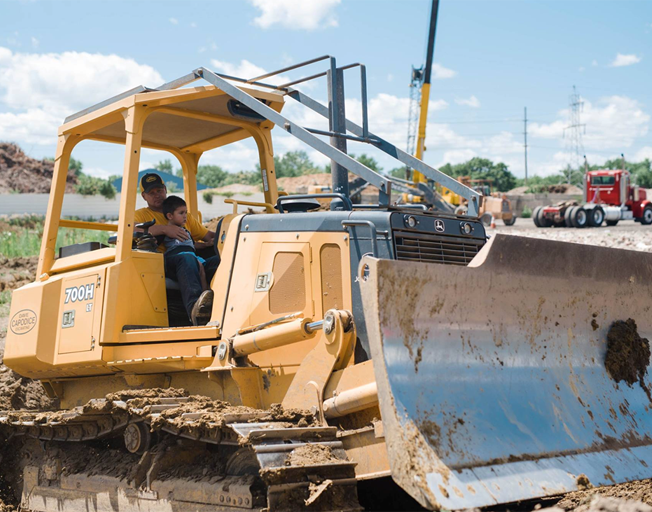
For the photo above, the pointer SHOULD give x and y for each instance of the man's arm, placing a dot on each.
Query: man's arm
(160, 228)
(209, 237)
(170, 231)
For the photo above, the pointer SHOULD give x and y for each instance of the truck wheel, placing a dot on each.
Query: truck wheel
(510, 222)
(611, 222)
(579, 217)
(535, 216)
(567, 217)
(486, 219)
(543, 221)
(646, 218)
(596, 217)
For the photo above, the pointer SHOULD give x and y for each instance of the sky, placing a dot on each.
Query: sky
(492, 59)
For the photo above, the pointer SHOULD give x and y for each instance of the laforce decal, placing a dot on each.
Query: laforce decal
(23, 321)
(80, 293)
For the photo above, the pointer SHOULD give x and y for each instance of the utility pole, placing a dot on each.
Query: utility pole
(525, 140)
(574, 143)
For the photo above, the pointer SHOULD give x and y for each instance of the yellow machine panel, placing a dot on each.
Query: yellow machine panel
(81, 313)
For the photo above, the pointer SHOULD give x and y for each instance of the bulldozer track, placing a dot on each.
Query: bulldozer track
(268, 444)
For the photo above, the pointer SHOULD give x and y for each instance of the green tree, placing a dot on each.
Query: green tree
(91, 186)
(398, 172)
(293, 164)
(483, 168)
(212, 176)
(165, 166)
(369, 162)
(76, 166)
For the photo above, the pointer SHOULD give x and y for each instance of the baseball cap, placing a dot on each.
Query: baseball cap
(151, 181)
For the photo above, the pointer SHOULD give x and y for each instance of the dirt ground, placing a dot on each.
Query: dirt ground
(19, 393)
(22, 174)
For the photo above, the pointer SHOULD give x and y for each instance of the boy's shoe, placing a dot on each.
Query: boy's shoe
(201, 311)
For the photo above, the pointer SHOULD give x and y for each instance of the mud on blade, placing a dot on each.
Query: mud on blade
(492, 379)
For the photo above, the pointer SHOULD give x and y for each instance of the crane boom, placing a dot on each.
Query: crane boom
(425, 90)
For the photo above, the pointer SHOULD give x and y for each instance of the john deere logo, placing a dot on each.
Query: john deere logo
(439, 226)
(150, 179)
(23, 321)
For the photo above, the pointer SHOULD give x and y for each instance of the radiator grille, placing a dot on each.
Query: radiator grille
(435, 249)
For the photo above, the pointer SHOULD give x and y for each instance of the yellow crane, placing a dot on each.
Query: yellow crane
(420, 97)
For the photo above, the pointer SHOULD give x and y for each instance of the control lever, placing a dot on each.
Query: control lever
(143, 241)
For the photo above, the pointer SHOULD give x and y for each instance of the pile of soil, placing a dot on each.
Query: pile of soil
(17, 392)
(300, 184)
(26, 175)
(562, 188)
(633, 497)
(238, 188)
(311, 454)
(16, 272)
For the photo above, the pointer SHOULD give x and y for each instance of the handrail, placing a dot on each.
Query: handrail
(81, 224)
(372, 228)
(235, 202)
(327, 195)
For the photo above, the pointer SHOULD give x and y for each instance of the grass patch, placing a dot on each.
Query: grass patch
(22, 238)
(5, 303)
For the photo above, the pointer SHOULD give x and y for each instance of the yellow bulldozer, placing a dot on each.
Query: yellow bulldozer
(370, 356)
(494, 204)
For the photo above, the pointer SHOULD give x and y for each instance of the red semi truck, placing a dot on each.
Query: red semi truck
(609, 196)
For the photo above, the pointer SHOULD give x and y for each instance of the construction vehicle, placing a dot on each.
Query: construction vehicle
(416, 188)
(609, 196)
(409, 355)
(494, 205)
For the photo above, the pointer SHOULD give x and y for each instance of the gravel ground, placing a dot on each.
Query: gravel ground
(626, 235)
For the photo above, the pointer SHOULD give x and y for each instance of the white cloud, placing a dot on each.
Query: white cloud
(35, 42)
(246, 70)
(39, 90)
(296, 14)
(34, 126)
(471, 102)
(174, 21)
(439, 72)
(625, 60)
(643, 153)
(613, 122)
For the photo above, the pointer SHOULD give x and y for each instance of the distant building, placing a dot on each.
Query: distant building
(165, 176)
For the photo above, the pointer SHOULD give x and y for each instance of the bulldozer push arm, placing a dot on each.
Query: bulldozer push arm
(361, 345)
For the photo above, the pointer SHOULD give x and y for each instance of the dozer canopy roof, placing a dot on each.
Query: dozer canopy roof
(194, 119)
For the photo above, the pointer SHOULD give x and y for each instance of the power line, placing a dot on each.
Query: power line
(525, 139)
(575, 126)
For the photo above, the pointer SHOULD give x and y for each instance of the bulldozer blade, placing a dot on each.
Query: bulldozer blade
(491, 378)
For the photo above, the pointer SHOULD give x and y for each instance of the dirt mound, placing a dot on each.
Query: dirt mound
(300, 184)
(17, 392)
(23, 174)
(16, 272)
(238, 188)
(562, 188)
(631, 497)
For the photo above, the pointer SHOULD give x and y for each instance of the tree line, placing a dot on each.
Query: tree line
(297, 163)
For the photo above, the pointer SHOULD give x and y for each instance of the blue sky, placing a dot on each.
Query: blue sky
(492, 58)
